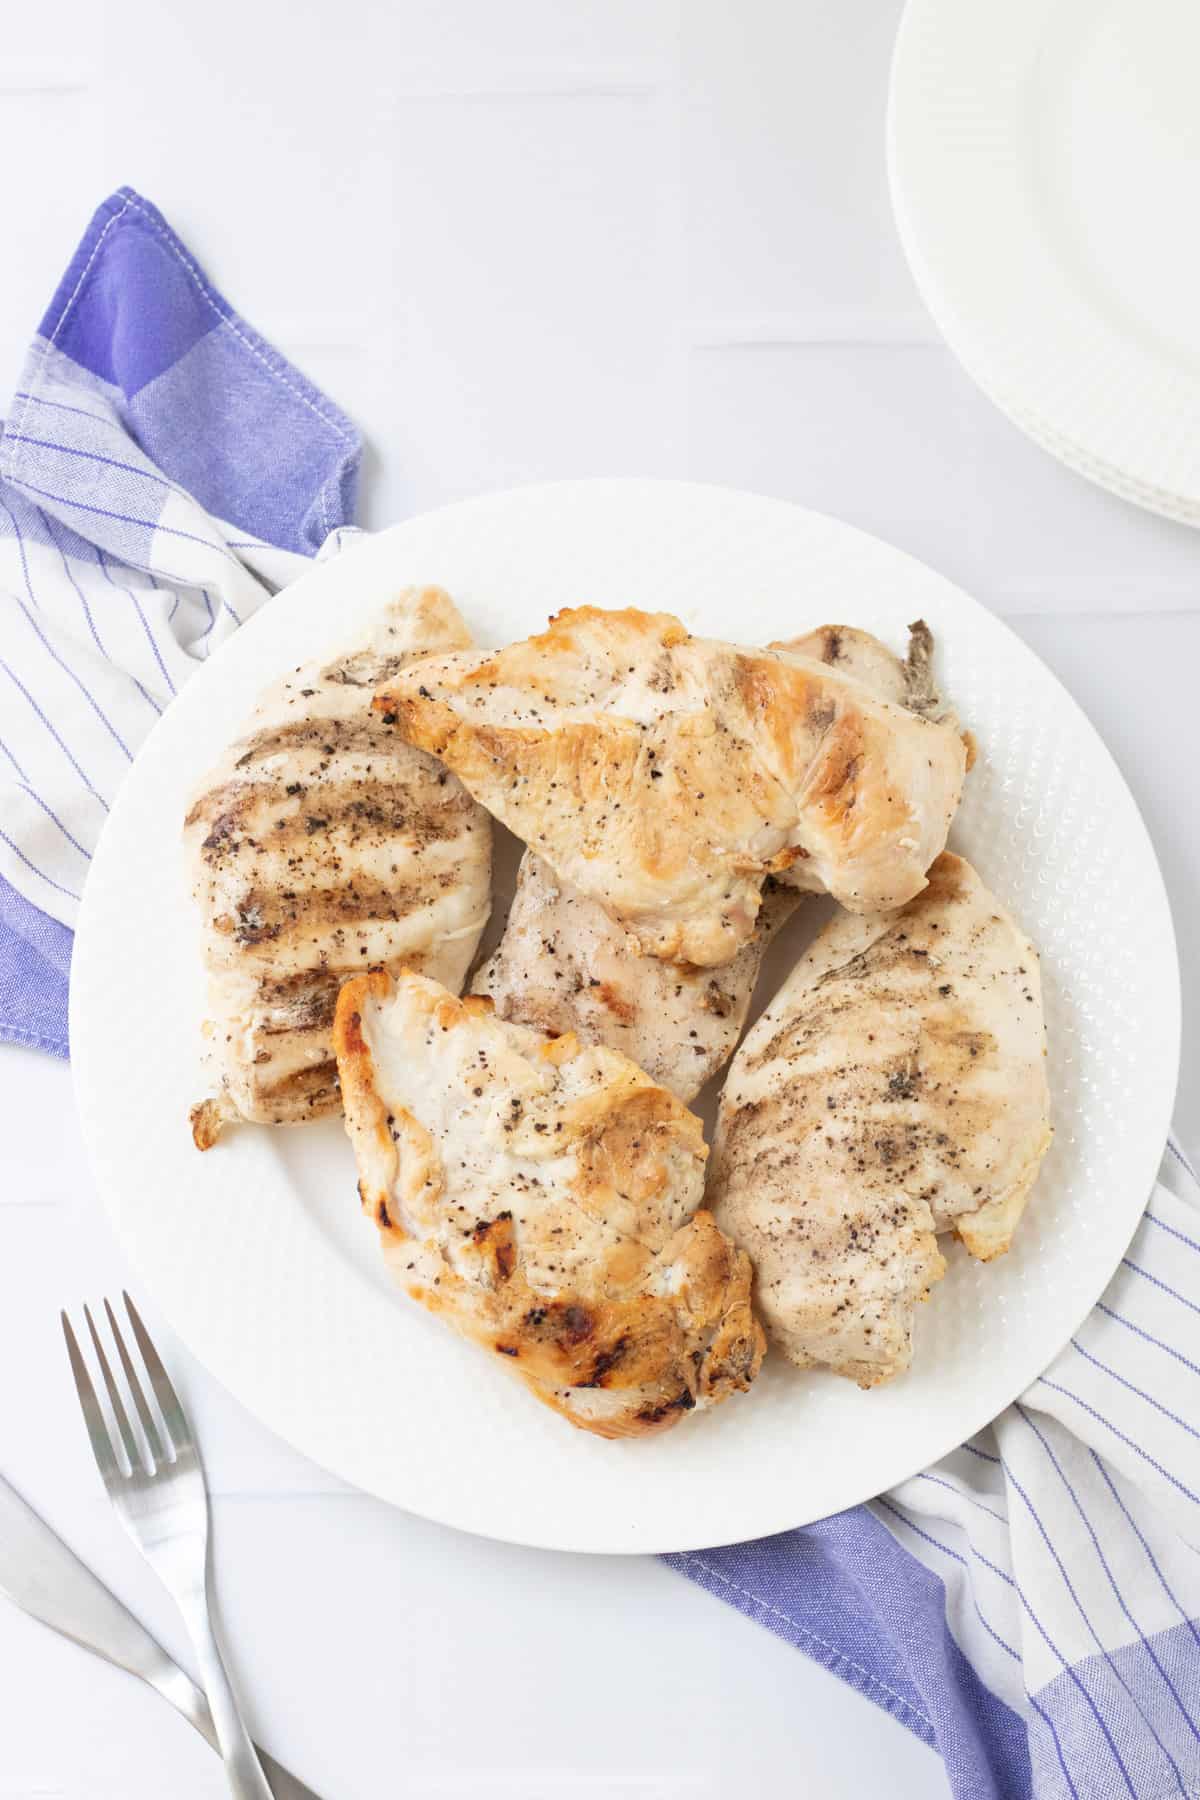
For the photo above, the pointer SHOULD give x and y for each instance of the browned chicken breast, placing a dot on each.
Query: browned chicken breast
(564, 964)
(321, 845)
(894, 1088)
(541, 1196)
(665, 776)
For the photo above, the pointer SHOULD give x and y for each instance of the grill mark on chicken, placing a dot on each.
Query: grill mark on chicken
(834, 995)
(262, 915)
(309, 1010)
(606, 1362)
(320, 1079)
(653, 1415)
(333, 737)
(345, 813)
(893, 1089)
(616, 1002)
(367, 669)
(321, 846)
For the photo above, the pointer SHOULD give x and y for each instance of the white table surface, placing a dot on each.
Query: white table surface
(521, 239)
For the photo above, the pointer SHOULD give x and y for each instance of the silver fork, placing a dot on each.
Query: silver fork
(160, 1498)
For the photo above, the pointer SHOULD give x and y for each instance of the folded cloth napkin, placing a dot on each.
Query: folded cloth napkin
(162, 472)
(1031, 1606)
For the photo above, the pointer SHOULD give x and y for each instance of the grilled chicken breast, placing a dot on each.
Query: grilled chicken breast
(321, 845)
(540, 1196)
(895, 1088)
(666, 776)
(564, 964)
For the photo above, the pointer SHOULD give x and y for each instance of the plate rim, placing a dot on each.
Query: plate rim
(621, 1541)
(1126, 482)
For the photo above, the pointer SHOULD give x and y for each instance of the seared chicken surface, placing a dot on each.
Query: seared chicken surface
(564, 964)
(894, 1088)
(540, 1195)
(321, 845)
(666, 776)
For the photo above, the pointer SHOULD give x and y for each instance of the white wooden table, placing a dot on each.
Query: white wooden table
(524, 240)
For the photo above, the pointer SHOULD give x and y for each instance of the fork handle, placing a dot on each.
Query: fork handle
(243, 1771)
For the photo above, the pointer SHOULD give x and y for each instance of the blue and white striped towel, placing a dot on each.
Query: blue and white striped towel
(162, 472)
(1031, 1606)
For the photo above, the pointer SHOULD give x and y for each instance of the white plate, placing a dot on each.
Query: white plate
(1045, 161)
(257, 1251)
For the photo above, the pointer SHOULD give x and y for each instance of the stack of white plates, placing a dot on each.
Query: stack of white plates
(1045, 168)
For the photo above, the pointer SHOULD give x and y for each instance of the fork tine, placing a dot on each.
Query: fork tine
(114, 1394)
(93, 1418)
(135, 1387)
(174, 1417)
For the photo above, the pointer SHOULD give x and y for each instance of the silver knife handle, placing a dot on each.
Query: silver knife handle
(45, 1578)
(171, 1682)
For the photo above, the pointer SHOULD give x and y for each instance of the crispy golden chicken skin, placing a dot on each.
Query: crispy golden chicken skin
(540, 1196)
(666, 776)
